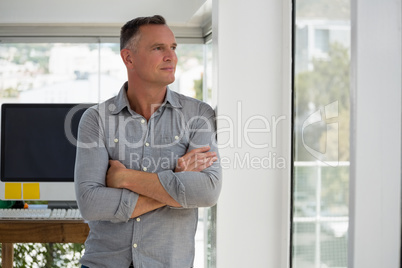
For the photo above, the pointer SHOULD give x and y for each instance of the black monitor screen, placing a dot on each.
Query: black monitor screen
(38, 142)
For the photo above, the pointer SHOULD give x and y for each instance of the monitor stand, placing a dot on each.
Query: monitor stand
(62, 204)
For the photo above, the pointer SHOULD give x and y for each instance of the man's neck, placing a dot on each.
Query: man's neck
(145, 100)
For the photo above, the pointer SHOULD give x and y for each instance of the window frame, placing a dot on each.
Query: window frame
(102, 35)
(375, 188)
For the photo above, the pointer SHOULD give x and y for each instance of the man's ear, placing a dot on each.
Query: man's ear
(127, 57)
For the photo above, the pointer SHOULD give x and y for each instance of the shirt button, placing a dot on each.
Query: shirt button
(147, 144)
(142, 121)
(144, 168)
(138, 219)
(116, 140)
(135, 246)
(176, 137)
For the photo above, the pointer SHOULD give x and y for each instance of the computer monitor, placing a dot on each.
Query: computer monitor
(38, 147)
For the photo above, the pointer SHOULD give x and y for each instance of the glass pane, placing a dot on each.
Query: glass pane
(209, 213)
(321, 133)
(112, 71)
(57, 73)
(86, 72)
(209, 97)
(189, 70)
(92, 73)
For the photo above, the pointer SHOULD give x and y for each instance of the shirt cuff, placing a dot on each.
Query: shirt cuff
(173, 186)
(127, 206)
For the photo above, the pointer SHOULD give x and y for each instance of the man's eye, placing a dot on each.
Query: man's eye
(157, 48)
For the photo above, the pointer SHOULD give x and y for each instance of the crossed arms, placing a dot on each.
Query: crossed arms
(106, 190)
(152, 194)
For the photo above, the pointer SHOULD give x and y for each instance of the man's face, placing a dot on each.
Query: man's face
(154, 58)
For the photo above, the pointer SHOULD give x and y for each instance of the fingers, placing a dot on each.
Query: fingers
(195, 164)
(196, 160)
(115, 174)
(189, 162)
(202, 164)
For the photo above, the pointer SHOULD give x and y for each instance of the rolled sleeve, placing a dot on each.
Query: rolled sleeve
(197, 189)
(191, 189)
(95, 200)
(126, 206)
(173, 186)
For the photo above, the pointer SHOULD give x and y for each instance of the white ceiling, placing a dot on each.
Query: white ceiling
(181, 13)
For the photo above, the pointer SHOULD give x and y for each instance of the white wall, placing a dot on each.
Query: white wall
(375, 189)
(252, 41)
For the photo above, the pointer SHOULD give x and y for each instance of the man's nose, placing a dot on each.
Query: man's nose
(170, 55)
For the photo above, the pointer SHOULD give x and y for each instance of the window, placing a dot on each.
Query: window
(321, 40)
(321, 134)
(81, 72)
(89, 71)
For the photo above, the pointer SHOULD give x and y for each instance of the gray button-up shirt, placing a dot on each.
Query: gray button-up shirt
(163, 237)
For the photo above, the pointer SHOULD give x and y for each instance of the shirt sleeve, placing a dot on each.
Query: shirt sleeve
(95, 200)
(197, 189)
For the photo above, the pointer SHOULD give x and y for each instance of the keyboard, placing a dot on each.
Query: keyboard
(40, 214)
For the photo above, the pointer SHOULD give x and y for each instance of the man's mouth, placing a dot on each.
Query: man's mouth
(170, 69)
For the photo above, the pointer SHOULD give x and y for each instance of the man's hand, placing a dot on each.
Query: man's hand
(116, 174)
(145, 205)
(196, 160)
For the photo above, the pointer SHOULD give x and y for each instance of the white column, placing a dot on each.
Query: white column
(253, 66)
(375, 185)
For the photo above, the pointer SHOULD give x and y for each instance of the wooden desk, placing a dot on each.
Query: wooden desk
(38, 231)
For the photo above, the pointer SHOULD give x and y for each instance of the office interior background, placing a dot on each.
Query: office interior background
(308, 101)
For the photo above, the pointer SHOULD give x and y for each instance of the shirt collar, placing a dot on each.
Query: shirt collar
(121, 100)
(172, 99)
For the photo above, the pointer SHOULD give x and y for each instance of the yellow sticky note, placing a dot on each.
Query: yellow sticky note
(31, 191)
(12, 190)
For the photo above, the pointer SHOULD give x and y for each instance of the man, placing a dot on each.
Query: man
(146, 160)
